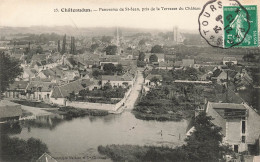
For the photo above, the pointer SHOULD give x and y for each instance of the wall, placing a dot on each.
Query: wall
(99, 106)
(58, 101)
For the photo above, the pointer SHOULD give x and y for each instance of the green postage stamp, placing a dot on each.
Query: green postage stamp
(240, 26)
(226, 25)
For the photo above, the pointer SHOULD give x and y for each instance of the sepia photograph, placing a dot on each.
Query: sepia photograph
(129, 81)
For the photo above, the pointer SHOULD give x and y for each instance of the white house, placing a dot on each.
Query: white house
(239, 122)
(233, 60)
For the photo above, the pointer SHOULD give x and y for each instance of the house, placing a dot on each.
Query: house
(46, 158)
(219, 75)
(60, 94)
(160, 57)
(109, 60)
(165, 65)
(28, 74)
(187, 62)
(239, 122)
(71, 75)
(73, 63)
(148, 82)
(9, 111)
(231, 60)
(17, 89)
(90, 84)
(116, 80)
(39, 90)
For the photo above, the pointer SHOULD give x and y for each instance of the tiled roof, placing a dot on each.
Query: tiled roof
(159, 55)
(229, 59)
(227, 106)
(166, 64)
(216, 72)
(18, 85)
(39, 57)
(45, 86)
(116, 78)
(65, 90)
(46, 158)
(150, 76)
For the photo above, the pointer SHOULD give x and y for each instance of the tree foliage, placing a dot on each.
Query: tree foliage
(153, 58)
(9, 70)
(141, 56)
(205, 143)
(15, 149)
(93, 47)
(157, 49)
(111, 50)
(63, 50)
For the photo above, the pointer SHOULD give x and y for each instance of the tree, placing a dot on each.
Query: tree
(155, 80)
(15, 149)
(153, 58)
(141, 56)
(107, 86)
(72, 46)
(96, 73)
(205, 143)
(141, 42)
(39, 49)
(119, 68)
(63, 50)
(58, 45)
(109, 68)
(111, 50)
(157, 49)
(9, 70)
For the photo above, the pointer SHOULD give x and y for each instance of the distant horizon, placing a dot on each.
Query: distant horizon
(104, 27)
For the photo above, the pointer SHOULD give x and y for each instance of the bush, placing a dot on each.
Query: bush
(15, 149)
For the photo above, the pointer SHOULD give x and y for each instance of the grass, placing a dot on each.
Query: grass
(76, 112)
(164, 117)
(135, 153)
(34, 104)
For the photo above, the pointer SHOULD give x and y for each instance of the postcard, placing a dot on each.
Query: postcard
(129, 80)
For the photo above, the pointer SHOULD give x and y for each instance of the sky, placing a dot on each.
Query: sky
(25, 13)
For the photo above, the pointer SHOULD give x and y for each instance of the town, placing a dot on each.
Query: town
(125, 78)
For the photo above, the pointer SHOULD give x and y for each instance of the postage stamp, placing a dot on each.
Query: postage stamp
(225, 26)
(236, 24)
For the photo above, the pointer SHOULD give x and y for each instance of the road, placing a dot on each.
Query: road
(130, 102)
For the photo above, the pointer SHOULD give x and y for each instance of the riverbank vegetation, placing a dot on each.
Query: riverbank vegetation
(15, 149)
(77, 112)
(203, 145)
(173, 101)
(68, 111)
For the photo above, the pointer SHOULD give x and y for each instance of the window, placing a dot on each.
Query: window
(236, 148)
(243, 126)
(243, 139)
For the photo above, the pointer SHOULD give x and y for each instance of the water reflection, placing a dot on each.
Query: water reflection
(10, 128)
(45, 122)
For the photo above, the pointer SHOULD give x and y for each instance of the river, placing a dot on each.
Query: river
(81, 136)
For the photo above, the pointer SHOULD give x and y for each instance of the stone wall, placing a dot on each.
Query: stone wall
(100, 106)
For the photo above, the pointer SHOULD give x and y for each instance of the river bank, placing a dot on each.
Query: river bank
(141, 153)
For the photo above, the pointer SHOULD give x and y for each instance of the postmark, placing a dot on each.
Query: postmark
(216, 27)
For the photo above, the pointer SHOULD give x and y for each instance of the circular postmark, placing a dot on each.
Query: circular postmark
(223, 26)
